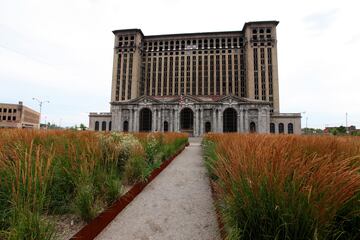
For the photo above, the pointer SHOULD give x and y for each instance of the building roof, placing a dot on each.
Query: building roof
(196, 33)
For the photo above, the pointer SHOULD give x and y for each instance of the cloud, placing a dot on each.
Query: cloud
(320, 21)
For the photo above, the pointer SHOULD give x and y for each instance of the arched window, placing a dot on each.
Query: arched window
(103, 126)
(229, 120)
(166, 126)
(126, 126)
(96, 126)
(186, 119)
(290, 128)
(110, 126)
(281, 128)
(207, 127)
(252, 127)
(145, 120)
(272, 127)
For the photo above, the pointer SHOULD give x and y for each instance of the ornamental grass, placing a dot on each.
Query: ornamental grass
(46, 173)
(286, 187)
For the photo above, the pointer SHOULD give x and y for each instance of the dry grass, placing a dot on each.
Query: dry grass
(318, 175)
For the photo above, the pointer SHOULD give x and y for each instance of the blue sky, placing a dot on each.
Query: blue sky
(61, 51)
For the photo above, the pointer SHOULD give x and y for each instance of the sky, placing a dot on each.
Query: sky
(62, 51)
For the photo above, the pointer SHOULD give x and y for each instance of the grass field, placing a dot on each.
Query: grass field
(46, 173)
(286, 187)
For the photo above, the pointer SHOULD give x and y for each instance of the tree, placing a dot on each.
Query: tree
(82, 127)
(342, 130)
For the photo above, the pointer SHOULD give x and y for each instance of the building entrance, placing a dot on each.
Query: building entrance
(230, 120)
(145, 120)
(187, 121)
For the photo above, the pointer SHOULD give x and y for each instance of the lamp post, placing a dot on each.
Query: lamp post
(41, 102)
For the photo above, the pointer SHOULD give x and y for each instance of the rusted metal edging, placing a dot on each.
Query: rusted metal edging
(91, 230)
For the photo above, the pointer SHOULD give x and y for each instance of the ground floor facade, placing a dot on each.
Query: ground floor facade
(194, 115)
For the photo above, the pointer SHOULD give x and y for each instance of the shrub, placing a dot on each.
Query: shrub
(135, 170)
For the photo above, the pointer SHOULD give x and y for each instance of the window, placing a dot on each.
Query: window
(103, 126)
(281, 128)
(290, 128)
(14, 118)
(10, 110)
(252, 127)
(126, 126)
(96, 126)
(272, 127)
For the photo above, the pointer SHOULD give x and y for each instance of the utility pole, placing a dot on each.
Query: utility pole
(40, 104)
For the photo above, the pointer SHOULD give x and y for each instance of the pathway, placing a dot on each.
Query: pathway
(176, 205)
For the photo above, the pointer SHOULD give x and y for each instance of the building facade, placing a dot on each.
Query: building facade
(197, 83)
(18, 116)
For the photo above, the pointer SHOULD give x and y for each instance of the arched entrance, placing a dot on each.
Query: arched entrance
(145, 120)
(187, 121)
(207, 127)
(166, 126)
(126, 126)
(252, 127)
(230, 120)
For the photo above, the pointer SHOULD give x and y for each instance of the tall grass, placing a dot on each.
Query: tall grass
(58, 172)
(286, 187)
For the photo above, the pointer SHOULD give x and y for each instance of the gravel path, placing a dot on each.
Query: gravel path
(176, 205)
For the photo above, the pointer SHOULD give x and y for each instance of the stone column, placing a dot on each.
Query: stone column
(241, 120)
(136, 120)
(259, 115)
(246, 121)
(268, 121)
(119, 121)
(196, 121)
(177, 120)
(159, 120)
(213, 125)
(218, 120)
(171, 122)
(153, 124)
(131, 120)
(221, 125)
(201, 121)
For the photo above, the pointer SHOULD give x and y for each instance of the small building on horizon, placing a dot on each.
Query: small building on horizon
(18, 116)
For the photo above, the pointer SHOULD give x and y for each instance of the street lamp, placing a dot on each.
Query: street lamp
(40, 104)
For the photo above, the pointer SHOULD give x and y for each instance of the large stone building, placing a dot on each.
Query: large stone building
(197, 83)
(18, 116)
